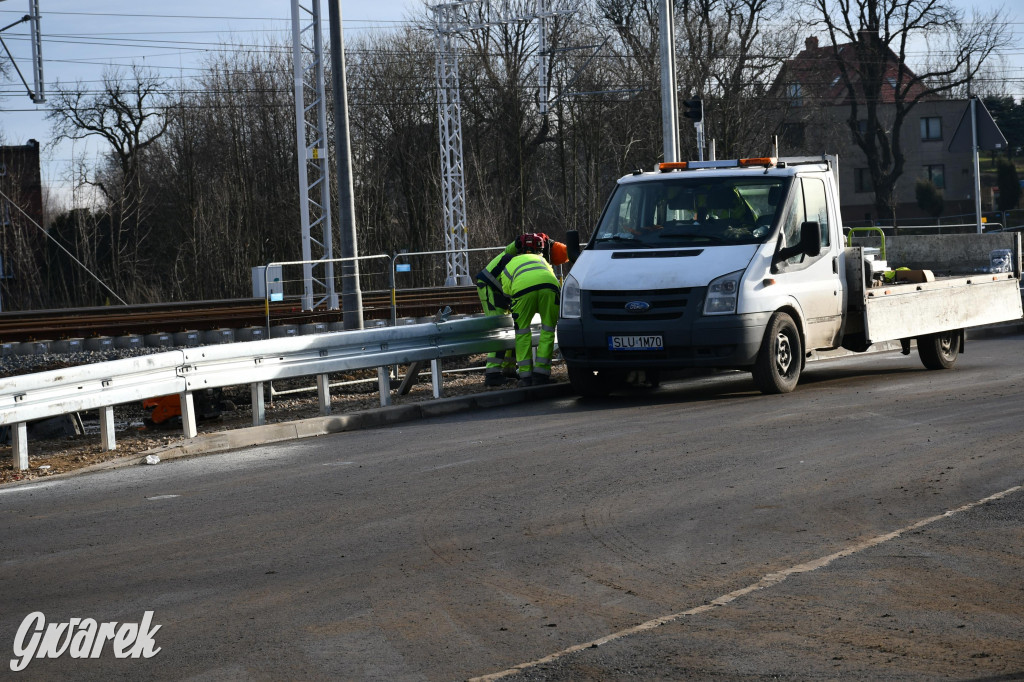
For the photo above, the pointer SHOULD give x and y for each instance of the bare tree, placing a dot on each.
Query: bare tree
(872, 40)
(226, 173)
(728, 58)
(124, 114)
(395, 150)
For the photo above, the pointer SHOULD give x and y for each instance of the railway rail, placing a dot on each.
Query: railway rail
(52, 325)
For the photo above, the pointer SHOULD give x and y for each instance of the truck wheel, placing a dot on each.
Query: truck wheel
(778, 364)
(589, 383)
(939, 351)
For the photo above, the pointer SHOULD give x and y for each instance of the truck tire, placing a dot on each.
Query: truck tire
(939, 351)
(589, 383)
(778, 364)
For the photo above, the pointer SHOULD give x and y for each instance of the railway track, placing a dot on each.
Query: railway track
(52, 325)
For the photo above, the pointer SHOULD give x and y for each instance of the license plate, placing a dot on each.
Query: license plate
(652, 342)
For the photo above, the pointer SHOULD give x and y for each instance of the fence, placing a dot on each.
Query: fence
(966, 222)
(402, 271)
(405, 271)
(278, 285)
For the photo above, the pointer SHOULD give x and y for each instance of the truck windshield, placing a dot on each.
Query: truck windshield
(691, 211)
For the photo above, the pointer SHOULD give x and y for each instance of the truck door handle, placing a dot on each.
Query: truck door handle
(835, 265)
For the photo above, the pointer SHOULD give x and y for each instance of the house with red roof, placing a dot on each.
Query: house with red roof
(816, 112)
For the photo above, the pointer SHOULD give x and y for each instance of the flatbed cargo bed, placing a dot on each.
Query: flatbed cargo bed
(952, 301)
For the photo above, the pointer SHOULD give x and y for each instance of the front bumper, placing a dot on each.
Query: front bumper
(721, 341)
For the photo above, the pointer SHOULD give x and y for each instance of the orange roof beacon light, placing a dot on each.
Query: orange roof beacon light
(673, 165)
(766, 161)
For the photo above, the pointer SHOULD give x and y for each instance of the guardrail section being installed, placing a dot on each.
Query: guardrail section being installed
(106, 384)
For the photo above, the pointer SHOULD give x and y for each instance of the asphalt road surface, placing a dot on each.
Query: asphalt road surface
(866, 526)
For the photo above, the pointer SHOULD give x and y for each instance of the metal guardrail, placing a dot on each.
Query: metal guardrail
(106, 384)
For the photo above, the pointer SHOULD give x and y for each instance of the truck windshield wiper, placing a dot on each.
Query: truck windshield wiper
(687, 236)
(619, 239)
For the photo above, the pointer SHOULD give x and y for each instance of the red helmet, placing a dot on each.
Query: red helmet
(531, 242)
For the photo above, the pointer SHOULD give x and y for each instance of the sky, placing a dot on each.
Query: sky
(81, 39)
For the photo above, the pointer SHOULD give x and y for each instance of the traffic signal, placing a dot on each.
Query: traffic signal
(694, 109)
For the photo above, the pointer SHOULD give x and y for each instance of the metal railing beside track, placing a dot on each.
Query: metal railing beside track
(101, 386)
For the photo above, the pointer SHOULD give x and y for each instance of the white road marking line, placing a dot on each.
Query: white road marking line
(769, 580)
(162, 497)
(449, 464)
(337, 464)
(23, 488)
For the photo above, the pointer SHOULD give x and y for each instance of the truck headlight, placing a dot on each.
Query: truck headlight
(723, 293)
(571, 306)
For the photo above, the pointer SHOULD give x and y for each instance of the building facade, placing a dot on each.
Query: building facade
(815, 120)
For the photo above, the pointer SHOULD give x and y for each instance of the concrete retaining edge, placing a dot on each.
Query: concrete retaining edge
(224, 441)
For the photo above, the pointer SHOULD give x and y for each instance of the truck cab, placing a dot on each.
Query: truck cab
(725, 264)
(741, 264)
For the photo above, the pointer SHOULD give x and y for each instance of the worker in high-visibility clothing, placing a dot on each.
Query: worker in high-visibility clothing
(494, 301)
(533, 287)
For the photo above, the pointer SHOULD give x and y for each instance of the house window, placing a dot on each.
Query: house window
(862, 180)
(931, 128)
(795, 93)
(937, 174)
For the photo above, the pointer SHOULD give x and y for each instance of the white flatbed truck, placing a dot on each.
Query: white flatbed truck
(744, 264)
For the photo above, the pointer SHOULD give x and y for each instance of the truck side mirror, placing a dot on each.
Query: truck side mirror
(809, 245)
(572, 244)
(810, 238)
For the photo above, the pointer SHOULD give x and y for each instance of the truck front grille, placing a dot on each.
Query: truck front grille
(664, 304)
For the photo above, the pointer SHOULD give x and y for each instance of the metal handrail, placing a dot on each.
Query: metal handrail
(266, 275)
(405, 254)
(851, 230)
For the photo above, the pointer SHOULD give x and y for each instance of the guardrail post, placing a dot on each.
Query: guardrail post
(435, 377)
(188, 415)
(384, 383)
(259, 407)
(107, 437)
(19, 446)
(394, 291)
(323, 391)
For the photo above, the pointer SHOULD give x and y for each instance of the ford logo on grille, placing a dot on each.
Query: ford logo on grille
(638, 306)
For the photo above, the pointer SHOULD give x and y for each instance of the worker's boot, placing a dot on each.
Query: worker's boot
(525, 380)
(492, 379)
(541, 379)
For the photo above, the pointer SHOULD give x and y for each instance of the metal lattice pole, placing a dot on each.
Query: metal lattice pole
(449, 118)
(314, 176)
(37, 53)
(543, 90)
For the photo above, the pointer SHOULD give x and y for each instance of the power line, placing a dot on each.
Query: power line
(203, 17)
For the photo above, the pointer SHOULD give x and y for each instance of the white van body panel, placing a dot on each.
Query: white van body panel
(601, 271)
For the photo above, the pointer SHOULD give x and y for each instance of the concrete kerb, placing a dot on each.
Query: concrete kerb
(993, 330)
(224, 441)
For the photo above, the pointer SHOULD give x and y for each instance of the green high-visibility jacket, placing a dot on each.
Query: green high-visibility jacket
(525, 273)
